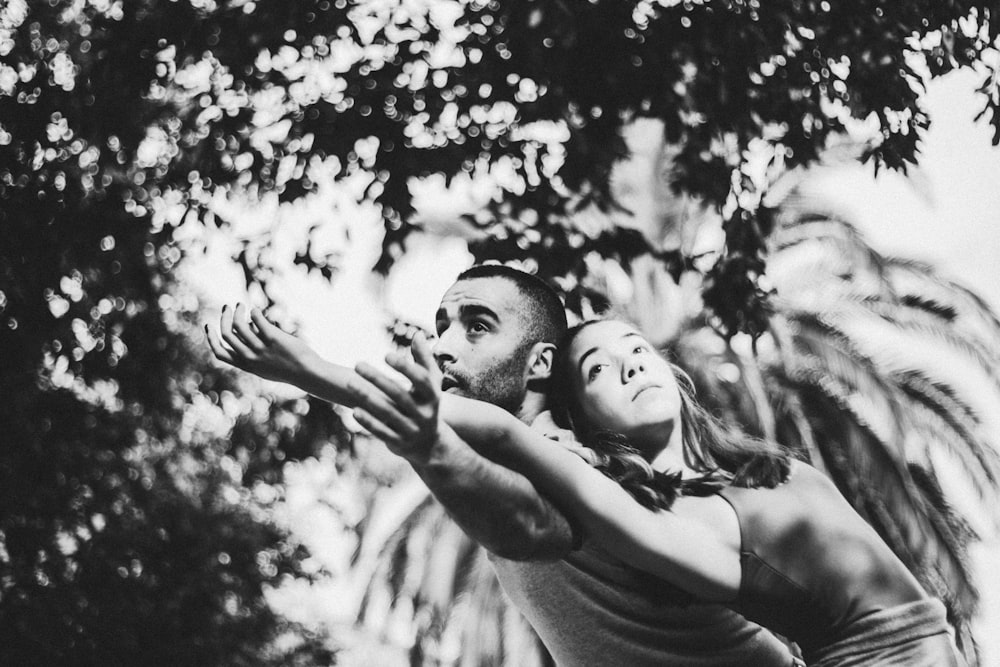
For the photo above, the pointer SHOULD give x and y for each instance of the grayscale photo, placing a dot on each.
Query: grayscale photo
(496, 333)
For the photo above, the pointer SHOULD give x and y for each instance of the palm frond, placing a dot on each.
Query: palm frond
(919, 528)
(432, 589)
(928, 282)
(953, 423)
(882, 365)
(492, 631)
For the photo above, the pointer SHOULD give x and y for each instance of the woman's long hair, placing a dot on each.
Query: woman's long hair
(722, 455)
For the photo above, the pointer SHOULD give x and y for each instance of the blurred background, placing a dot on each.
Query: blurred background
(799, 203)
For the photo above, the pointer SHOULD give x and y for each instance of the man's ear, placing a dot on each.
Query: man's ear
(540, 361)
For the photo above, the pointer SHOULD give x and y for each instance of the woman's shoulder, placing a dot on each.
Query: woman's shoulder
(804, 487)
(803, 474)
(801, 470)
(800, 474)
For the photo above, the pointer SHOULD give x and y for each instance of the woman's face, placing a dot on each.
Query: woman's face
(623, 384)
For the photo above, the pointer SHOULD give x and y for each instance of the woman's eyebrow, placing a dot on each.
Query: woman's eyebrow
(583, 357)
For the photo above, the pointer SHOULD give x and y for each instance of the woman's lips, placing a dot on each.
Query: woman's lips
(643, 389)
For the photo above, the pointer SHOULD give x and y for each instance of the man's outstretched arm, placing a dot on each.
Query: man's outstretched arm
(497, 507)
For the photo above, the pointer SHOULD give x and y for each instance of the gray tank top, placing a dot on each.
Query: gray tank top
(590, 609)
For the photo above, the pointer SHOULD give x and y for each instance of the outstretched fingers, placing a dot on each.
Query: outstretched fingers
(396, 392)
(368, 397)
(243, 331)
(218, 349)
(236, 344)
(424, 356)
(376, 427)
(421, 369)
(266, 330)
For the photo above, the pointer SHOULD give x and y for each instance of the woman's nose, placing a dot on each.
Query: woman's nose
(631, 368)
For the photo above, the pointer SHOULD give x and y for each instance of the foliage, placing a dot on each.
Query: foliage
(132, 531)
(122, 121)
(275, 97)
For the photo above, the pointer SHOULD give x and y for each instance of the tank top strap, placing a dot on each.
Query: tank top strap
(725, 494)
(770, 592)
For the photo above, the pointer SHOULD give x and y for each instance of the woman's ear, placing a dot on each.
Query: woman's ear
(540, 361)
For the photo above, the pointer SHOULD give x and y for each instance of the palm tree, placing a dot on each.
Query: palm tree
(880, 372)
(875, 369)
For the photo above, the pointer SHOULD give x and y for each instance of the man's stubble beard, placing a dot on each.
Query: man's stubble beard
(503, 384)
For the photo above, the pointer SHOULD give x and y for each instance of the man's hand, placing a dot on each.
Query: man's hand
(495, 506)
(255, 345)
(408, 422)
(546, 425)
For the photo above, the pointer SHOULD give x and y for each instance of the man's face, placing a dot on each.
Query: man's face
(481, 346)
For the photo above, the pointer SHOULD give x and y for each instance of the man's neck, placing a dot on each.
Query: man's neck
(534, 404)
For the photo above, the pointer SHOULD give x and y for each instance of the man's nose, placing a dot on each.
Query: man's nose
(444, 347)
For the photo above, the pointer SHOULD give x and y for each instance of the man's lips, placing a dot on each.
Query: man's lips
(450, 382)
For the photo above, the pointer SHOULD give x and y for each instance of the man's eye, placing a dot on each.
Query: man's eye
(478, 327)
(594, 371)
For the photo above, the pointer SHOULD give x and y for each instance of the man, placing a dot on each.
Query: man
(497, 333)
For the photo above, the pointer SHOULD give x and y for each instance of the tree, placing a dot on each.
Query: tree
(273, 96)
(132, 530)
(121, 120)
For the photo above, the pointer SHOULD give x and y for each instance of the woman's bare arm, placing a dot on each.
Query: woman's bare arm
(676, 546)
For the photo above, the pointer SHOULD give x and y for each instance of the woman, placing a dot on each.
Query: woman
(795, 557)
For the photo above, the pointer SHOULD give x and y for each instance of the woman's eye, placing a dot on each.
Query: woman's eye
(638, 349)
(594, 371)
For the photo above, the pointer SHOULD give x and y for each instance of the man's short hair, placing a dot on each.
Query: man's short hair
(541, 310)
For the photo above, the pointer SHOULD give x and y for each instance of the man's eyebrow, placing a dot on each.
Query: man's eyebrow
(440, 316)
(473, 309)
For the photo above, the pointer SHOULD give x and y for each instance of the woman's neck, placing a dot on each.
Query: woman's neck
(669, 454)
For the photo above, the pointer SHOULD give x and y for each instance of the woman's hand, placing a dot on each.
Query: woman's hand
(255, 345)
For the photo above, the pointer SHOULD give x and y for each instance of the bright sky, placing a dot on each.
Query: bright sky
(949, 213)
